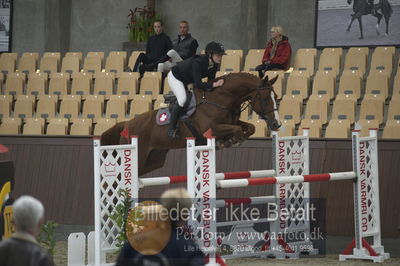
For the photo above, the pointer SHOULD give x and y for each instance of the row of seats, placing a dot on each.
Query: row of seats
(72, 106)
(128, 83)
(71, 63)
(55, 126)
(305, 60)
(336, 128)
(81, 83)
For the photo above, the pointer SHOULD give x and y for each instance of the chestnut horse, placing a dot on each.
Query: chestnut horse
(219, 110)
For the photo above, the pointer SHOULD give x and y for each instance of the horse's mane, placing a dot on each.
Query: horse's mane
(232, 80)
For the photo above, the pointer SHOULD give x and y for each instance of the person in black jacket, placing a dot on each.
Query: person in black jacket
(22, 249)
(157, 47)
(184, 47)
(192, 70)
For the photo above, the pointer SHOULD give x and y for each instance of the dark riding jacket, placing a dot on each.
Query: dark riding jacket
(193, 69)
(186, 47)
(158, 46)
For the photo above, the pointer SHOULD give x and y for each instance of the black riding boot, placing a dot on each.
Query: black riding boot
(173, 130)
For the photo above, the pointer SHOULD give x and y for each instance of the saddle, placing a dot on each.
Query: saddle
(164, 113)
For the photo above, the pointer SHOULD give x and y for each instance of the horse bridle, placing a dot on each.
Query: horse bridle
(263, 103)
(249, 101)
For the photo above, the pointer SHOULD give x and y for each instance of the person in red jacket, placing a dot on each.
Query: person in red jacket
(277, 53)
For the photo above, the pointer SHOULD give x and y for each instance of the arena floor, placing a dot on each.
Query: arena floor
(333, 24)
(334, 246)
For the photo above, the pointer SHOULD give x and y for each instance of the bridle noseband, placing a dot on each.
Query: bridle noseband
(263, 102)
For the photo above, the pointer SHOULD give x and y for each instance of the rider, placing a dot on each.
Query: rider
(192, 70)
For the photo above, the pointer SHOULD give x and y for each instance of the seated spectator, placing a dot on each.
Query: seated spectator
(180, 250)
(22, 248)
(185, 46)
(277, 53)
(157, 47)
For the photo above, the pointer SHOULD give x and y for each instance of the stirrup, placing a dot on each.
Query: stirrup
(173, 133)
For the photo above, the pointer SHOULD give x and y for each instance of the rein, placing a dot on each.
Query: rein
(249, 101)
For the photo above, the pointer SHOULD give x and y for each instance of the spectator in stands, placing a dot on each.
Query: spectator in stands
(22, 248)
(277, 53)
(192, 70)
(180, 249)
(157, 47)
(184, 47)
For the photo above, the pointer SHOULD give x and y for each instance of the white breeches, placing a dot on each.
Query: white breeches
(177, 88)
(167, 65)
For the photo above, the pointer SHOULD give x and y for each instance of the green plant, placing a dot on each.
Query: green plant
(120, 215)
(46, 237)
(140, 26)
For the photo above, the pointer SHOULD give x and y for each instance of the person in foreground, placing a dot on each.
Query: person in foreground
(277, 53)
(22, 249)
(179, 250)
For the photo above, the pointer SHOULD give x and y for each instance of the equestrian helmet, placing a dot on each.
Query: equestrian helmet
(215, 48)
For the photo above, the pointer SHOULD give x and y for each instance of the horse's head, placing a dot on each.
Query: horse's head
(263, 103)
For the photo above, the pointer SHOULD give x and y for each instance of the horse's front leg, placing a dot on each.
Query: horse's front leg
(248, 129)
(227, 134)
(379, 17)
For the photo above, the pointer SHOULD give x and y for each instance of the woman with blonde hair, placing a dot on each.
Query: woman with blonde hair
(277, 53)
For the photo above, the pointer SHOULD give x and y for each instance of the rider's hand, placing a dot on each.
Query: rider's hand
(218, 83)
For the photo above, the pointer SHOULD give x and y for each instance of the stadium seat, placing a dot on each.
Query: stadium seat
(46, 106)
(93, 107)
(102, 125)
(27, 63)
(330, 62)
(253, 59)
(81, 83)
(49, 64)
(317, 109)
(10, 126)
(305, 61)
(33, 126)
(287, 129)
(297, 85)
(5, 105)
(230, 62)
(59, 83)
(377, 84)
(14, 84)
(92, 64)
(290, 109)
(372, 109)
(140, 104)
(70, 64)
(115, 63)
(338, 128)
(350, 85)
(344, 108)
(151, 84)
(117, 107)
(57, 127)
(314, 126)
(70, 106)
(324, 84)
(37, 84)
(127, 84)
(104, 84)
(7, 63)
(356, 61)
(24, 106)
(381, 61)
(392, 129)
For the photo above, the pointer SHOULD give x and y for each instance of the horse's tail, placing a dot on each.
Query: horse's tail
(112, 135)
(386, 8)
